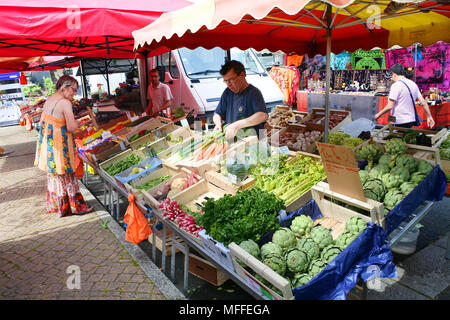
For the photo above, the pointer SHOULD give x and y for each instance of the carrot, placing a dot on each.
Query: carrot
(209, 151)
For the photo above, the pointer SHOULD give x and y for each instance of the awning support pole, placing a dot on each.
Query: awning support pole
(107, 77)
(83, 79)
(328, 74)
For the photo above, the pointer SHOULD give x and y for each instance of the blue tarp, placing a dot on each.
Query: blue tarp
(432, 188)
(365, 255)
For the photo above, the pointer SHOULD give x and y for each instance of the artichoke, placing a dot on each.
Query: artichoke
(321, 236)
(276, 263)
(355, 225)
(385, 159)
(310, 247)
(316, 266)
(301, 225)
(300, 279)
(363, 175)
(424, 167)
(392, 198)
(251, 247)
(377, 171)
(371, 153)
(270, 248)
(296, 260)
(369, 194)
(285, 238)
(410, 136)
(408, 161)
(345, 238)
(329, 253)
(407, 187)
(417, 177)
(391, 181)
(401, 172)
(395, 146)
(376, 186)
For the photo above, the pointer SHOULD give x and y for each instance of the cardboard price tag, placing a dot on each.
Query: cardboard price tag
(342, 170)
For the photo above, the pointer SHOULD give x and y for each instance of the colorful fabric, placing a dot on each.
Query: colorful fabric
(63, 195)
(432, 66)
(55, 150)
(287, 79)
(339, 61)
(371, 59)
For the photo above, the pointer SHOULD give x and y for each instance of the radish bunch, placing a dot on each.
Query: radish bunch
(185, 221)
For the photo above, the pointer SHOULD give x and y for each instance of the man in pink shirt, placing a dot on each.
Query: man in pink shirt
(158, 93)
(402, 100)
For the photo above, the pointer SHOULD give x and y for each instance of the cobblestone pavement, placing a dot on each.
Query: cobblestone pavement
(41, 255)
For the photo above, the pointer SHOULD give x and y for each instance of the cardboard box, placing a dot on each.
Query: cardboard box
(206, 270)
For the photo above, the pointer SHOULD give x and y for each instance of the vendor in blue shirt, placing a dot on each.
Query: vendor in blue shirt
(241, 105)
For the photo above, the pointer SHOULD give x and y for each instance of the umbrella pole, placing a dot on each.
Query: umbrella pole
(328, 73)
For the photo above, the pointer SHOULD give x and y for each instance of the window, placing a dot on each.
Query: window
(167, 61)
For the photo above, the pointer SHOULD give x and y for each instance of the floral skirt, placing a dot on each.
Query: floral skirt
(63, 195)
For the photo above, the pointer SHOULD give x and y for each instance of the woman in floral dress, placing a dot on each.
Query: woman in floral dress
(56, 152)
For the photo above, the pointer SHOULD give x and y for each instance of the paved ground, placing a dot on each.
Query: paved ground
(41, 255)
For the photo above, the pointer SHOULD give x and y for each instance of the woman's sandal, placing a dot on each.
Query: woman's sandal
(85, 209)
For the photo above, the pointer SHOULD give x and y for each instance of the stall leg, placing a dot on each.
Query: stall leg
(105, 191)
(163, 248)
(185, 250)
(117, 205)
(448, 247)
(111, 202)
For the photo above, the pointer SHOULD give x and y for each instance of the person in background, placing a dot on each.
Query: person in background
(402, 100)
(159, 95)
(241, 104)
(56, 152)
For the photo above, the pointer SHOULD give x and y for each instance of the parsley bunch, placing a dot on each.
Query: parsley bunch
(247, 215)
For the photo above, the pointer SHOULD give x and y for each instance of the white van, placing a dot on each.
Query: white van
(195, 81)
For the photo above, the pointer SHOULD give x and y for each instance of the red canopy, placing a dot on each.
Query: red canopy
(89, 28)
(297, 25)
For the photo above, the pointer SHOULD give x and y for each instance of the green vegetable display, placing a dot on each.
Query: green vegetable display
(345, 238)
(270, 248)
(247, 215)
(329, 253)
(296, 260)
(395, 146)
(424, 167)
(407, 187)
(288, 180)
(251, 247)
(316, 266)
(123, 164)
(371, 153)
(321, 236)
(300, 279)
(153, 183)
(301, 225)
(355, 225)
(378, 170)
(285, 238)
(310, 247)
(392, 198)
(343, 139)
(276, 263)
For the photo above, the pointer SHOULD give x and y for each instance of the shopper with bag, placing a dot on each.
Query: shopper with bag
(402, 101)
(56, 151)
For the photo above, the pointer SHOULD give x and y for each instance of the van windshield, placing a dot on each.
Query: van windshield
(203, 63)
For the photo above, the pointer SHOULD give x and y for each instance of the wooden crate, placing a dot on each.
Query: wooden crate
(145, 139)
(165, 170)
(274, 139)
(150, 124)
(120, 157)
(205, 270)
(334, 218)
(193, 196)
(318, 115)
(222, 182)
(105, 151)
(180, 173)
(389, 129)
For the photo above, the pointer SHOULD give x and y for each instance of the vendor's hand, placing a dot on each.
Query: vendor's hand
(231, 131)
(218, 128)
(430, 122)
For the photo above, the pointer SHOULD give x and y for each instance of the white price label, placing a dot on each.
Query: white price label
(122, 145)
(184, 123)
(232, 178)
(283, 150)
(133, 119)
